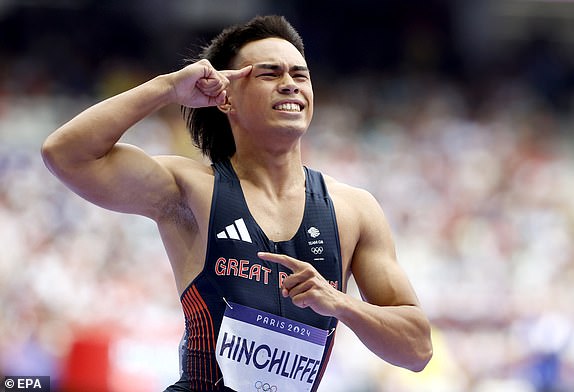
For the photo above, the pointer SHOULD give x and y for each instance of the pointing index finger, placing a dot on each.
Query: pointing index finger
(234, 74)
(284, 260)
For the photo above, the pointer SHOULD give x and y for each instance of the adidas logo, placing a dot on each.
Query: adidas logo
(236, 231)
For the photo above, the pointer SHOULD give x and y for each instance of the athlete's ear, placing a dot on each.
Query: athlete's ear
(225, 107)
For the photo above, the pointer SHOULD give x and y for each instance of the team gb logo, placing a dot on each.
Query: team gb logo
(314, 232)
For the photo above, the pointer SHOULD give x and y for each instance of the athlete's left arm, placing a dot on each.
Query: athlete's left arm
(389, 321)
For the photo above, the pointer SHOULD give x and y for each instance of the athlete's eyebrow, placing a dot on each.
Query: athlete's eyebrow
(276, 67)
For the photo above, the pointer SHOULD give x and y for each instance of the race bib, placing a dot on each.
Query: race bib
(259, 351)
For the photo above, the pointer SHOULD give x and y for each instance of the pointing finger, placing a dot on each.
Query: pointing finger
(284, 260)
(234, 74)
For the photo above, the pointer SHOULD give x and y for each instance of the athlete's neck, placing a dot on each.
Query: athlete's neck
(274, 174)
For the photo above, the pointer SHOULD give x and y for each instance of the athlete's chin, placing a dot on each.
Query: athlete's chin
(293, 129)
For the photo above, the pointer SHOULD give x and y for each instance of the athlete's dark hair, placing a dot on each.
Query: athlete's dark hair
(209, 127)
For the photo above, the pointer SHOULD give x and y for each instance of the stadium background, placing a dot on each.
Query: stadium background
(457, 115)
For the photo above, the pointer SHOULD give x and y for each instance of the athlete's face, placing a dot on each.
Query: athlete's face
(278, 94)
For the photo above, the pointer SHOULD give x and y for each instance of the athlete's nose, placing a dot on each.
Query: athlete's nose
(288, 85)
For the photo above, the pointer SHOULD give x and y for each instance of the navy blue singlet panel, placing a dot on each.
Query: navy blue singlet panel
(233, 271)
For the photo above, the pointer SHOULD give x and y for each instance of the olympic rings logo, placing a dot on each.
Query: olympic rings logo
(317, 250)
(265, 387)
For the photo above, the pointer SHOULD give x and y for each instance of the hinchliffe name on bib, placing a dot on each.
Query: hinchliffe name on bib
(271, 359)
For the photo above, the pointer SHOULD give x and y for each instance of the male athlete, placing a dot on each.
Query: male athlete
(261, 246)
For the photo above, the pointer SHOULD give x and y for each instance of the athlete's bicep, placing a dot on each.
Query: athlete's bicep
(380, 278)
(125, 180)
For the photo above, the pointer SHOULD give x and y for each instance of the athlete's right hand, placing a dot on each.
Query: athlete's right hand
(200, 85)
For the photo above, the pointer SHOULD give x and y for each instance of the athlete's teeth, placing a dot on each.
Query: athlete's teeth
(292, 107)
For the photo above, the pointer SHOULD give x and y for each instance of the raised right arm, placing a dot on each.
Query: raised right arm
(85, 154)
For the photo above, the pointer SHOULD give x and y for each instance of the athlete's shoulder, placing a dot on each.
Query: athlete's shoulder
(355, 207)
(346, 191)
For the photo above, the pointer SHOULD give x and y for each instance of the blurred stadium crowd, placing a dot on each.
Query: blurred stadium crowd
(475, 177)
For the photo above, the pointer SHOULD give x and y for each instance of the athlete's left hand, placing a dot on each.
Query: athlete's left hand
(305, 286)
